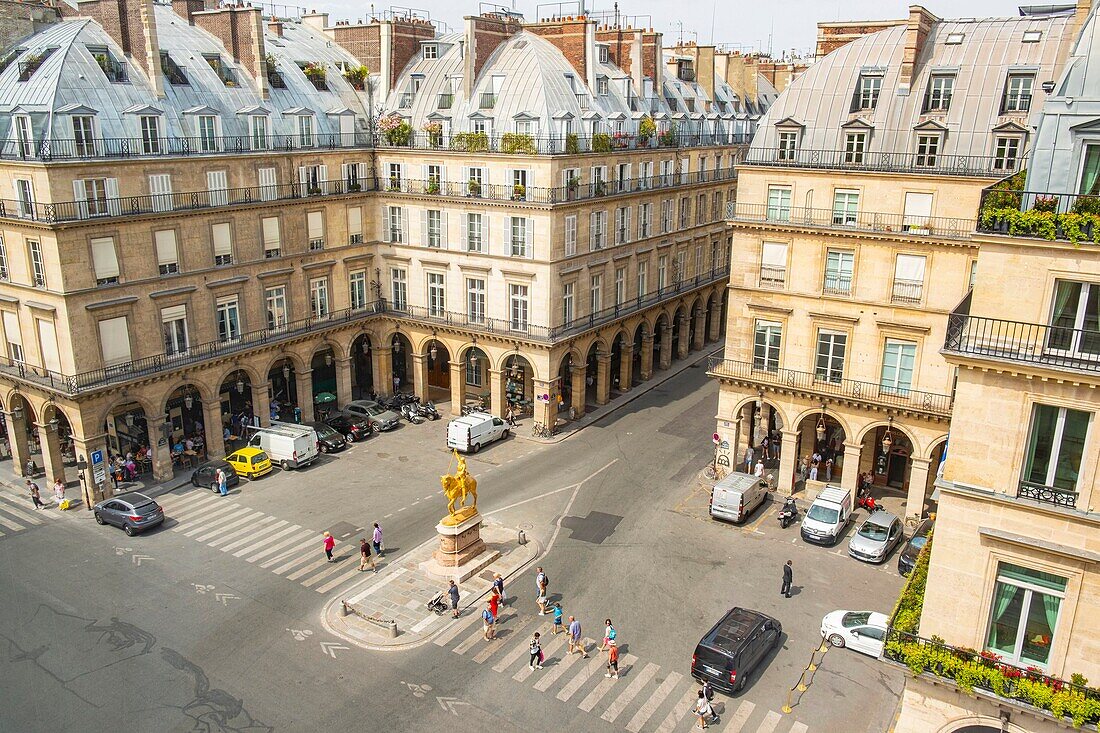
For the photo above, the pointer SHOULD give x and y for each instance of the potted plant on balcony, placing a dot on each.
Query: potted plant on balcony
(667, 139)
(519, 192)
(620, 141)
(601, 143)
(572, 145)
(395, 184)
(316, 73)
(395, 129)
(473, 187)
(599, 188)
(470, 142)
(356, 76)
(355, 187)
(572, 186)
(517, 142)
(647, 128)
(435, 133)
(433, 185)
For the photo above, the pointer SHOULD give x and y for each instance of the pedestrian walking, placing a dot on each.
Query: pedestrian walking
(542, 581)
(536, 652)
(488, 621)
(759, 470)
(575, 641)
(376, 538)
(542, 601)
(748, 459)
(609, 634)
(612, 660)
(31, 468)
(223, 482)
(452, 593)
(510, 416)
(59, 491)
(36, 494)
(703, 710)
(558, 628)
(828, 469)
(494, 602)
(788, 576)
(364, 555)
(498, 583)
(329, 543)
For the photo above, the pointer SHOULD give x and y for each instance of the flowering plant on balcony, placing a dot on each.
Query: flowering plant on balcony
(395, 128)
(315, 72)
(435, 133)
(621, 140)
(356, 76)
(433, 185)
(1045, 203)
(517, 142)
(519, 192)
(647, 128)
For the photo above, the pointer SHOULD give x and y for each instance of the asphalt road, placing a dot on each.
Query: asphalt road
(164, 632)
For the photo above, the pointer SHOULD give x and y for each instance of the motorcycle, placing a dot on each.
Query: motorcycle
(428, 410)
(411, 414)
(788, 513)
(864, 500)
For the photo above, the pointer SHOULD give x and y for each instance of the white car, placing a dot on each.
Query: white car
(863, 631)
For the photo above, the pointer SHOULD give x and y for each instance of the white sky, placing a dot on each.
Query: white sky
(792, 24)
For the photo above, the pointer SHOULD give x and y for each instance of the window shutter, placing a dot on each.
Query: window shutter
(344, 175)
(529, 241)
(114, 340)
(47, 338)
(628, 216)
(424, 227)
(104, 260)
(444, 231)
(11, 328)
(486, 243)
(403, 223)
(774, 254)
(323, 174)
(918, 208)
(79, 198)
(355, 220)
(909, 267)
(315, 225)
(165, 241)
(223, 240)
(114, 206)
(592, 230)
(271, 233)
(384, 220)
(462, 219)
(303, 178)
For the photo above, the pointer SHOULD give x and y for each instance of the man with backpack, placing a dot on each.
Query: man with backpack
(541, 582)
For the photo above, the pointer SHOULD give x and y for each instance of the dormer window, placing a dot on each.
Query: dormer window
(1017, 96)
(219, 67)
(9, 58)
(32, 61)
(1032, 36)
(174, 73)
(315, 72)
(938, 96)
(208, 133)
(867, 91)
(601, 86)
(928, 149)
(954, 39)
(305, 131)
(112, 68)
(84, 135)
(605, 55)
(431, 51)
(788, 144)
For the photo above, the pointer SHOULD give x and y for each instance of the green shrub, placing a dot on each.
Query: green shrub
(601, 143)
(470, 142)
(572, 146)
(906, 615)
(515, 142)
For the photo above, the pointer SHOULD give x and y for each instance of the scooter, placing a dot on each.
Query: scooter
(788, 513)
(865, 500)
(428, 410)
(410, 413)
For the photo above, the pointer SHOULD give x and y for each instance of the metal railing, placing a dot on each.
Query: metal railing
(140, 147)
(866, 221)
(906, 399)
(907, 291)
(517, 144)
(837, 284)
(773, 276)
(100, 208)
(1047, 494)
(1028, 343)
(1040, 214)
(884, 161)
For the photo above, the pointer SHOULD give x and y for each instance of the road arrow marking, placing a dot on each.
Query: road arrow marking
(450, 703)
(330, 647)
(226, 597)
(136, 559)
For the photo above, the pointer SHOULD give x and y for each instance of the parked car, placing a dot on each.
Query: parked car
(133, 512)
(250, 462)
(863, 631)
(328, 440)
(734, 647)
(736, 496)
(205, 474)
(353, 427)
(290, 445)
(877, 536)
(827, 517)
(379, 416)
(907, 558)
(470, 432)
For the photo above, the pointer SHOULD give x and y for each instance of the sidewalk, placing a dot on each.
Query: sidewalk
(401, 590)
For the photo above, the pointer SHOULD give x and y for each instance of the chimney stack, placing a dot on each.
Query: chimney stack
(483, 35)
(240, 30)
(276, 27)
(132, 25)
(576, 39)
(187, 8)
(916, 32)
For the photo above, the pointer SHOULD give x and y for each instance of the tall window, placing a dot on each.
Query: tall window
(24, 191)
(433, 227)
(1055, 447)
(666, 214)
(150, 135)
(318, 297)
(473, 233)
(1075, 319)
(662, 272)
(855, 145)
(620, 285)
(773, 265)
(83, 135)
(395, 225)
(216, 186)
(437, 303)
(643, 272)
(520, 236)
(258, 128)
(174, 326)
(357, 287)
(645, 214)
(570, 235)
(305, 131)
(567, 303)
(273, 241)
(399, 288)
(928, 150)
(222, 235)
(160, 191)
(164, 241)
(228, 317)
(838, 272)
(867, 93)
(275, 305)
(596, 303)
(475, 300)
(685, 211)
(38, 264)
(1026, 604)
(104, 261)
(1017, 97)
(938, 96)
(622, 225)
(1090, 172)
(898, 358)
(908, 279)
(767, 340)
(788, 145)
(779, 203)
(831, 347)
(598, 230)
(92, 193)
(517, 307)
(13, 335)
(4, 273)
(24, 138)
(208, 133)
(1006, 153)
(845, 206)
(269, 188)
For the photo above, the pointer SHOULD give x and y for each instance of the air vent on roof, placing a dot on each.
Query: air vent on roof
(1032, 36)
(954, 39)
(520, 43)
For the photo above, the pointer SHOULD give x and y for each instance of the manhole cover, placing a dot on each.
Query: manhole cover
(525, 525)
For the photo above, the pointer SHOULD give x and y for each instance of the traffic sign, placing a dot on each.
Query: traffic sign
(99, 469)
(716, 438)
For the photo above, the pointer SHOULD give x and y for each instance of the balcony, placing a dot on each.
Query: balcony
(883, 162)
(773, 276)
(1052, 347)
(445, 101)
(63, 149)
(1039, 215)
(1044, 494)
(570, 144)
(846, 221)
(488, 100)
(837, 285)
(921, 403)
(906, 292)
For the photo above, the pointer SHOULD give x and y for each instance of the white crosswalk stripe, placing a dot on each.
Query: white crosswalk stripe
(302, 542)
(459, 625)
(176, 502)
(251, 531)
(604, 686)
(342, 569)
(269, 544)
(11, 524)
(593, 667)
(26, 513)
(265, 533)
(645, 712)
(737, 722)
(771, 721)
(683, 706)
(799, 727)
(513, 632)
(235, 521)
(637, 682)
(563, 665)
(195, 508)
(548, 648)
(516, 652)
(323, 562)
(475, 638)
(208, 518)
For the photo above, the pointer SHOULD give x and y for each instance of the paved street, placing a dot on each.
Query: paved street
(212, 622)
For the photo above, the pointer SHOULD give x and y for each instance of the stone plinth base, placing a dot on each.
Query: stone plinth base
(461, 550)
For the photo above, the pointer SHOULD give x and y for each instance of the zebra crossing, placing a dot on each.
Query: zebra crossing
(645, 699)
(19, 515)
(288, 550)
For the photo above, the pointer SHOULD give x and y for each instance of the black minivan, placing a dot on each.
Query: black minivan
(734, 647)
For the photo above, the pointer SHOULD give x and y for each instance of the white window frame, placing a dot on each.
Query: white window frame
(228, 319)
(767, 345)
(318, 297)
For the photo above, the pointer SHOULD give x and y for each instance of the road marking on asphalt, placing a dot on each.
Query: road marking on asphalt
(799, 727)
(265, 529)
(425, 498)
(204, 521)
(516, 652)
(478, 636)
(347, 574)
(388, 516)
(380, 584)
(615, 709)
(416, 502)
(683, 705)
(599, 691)
(457, 626)
(198, 507)
(514, 632)
(11, 524)
(239, 520)
(282, 551)
(21, 512)
(300, 572)
(423, 623)
(267, 541)
(402, 509)
(548, 648)
(737, 722)
(574, 684)
(645, 712)
(344, 577)
(545, 680)
(771, 721)
(174, 502)
(251, 531)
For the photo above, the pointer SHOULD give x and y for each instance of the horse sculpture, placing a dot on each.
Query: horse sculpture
(458, 487)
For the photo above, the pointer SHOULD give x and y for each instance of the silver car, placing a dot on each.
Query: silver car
(876, 537)
(378, 415)
(133, 512)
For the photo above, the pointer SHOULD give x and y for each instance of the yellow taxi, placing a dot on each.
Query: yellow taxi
(250, 462)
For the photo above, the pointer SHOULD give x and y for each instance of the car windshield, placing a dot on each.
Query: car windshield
(324, 431)
(375, 410)
(259, 458)
(855, 618)
(874, 531)
(825, 514)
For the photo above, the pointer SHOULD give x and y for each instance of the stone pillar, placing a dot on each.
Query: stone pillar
(849, 477)
(682, 341)
(647, 357)
(261, 402)
(545, 412)
(89, 492)
(51, 453)
(212, 419)
(17, 440)
(666, 348)
(458, 387)
(382, 370)
(626, 367)
(715, 320)
(918, 484)
(496, 392)
(303, 385)
(788, 457)
(700, 329)
(577, 373)
(420, 376)
(343, 380)
(160, 443)
(603, 378)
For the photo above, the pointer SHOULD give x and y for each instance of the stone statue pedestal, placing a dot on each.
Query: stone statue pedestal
(461, 552)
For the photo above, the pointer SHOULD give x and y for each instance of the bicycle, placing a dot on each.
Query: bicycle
(538, 430)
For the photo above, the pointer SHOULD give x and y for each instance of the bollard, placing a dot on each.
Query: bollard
(344, 610)
(391, 627)
(522, 537)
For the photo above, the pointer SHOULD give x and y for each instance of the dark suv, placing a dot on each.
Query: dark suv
(734, 647)
(352, 427)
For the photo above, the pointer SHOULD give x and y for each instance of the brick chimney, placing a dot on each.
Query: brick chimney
(186, 8)
(385, 47)
(275, 27)
(240, 30)
(130, 24)
(916, 32)
(741, 74)
(653, 66)
(483, 35)
(576, 39)
(703, 61)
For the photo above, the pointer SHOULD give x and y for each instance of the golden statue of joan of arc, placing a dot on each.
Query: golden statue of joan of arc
(457, 487)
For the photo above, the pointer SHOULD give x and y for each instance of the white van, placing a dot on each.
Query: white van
(469, 432)
(289, 445)
(736, 496)
(827, 517)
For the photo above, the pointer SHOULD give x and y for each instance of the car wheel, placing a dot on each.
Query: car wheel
(285, 465)
(836, 640)
(504, 435)
(349, 438)
(98, 519)
(128, 530)
(475, 447)
(324, 448)
(214, 486)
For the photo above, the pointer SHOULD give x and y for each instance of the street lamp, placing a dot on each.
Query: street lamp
(433, 352)
(240, 383)
(328, 359)
(16, 410)
(821, 425)
(188, 400)
(888, 439)
(366, 346)
(286, 372)
(129, 419)
(396, 344)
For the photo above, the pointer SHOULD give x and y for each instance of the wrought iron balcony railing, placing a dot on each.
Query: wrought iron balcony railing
(857, 221)
(155, 146)
(1027, 343)
(1040, 215)
(1047, 494)
(906, 399)
(885, 161)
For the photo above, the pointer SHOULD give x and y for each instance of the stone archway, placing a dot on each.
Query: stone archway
(708, 328)
(637, 371)
(679, 334)
(662, 342)
(438, 368)
(23, 439)
(401, 366)
(56, 442)
(518, 377)
(821, 436)
(565, 384)
(188, 433)
(238, 411)
(592, 391)
(326, 391)
(283, 378)
(362, 367)
(887, 452)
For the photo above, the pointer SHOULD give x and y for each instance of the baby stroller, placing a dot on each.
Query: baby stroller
(437, 605)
